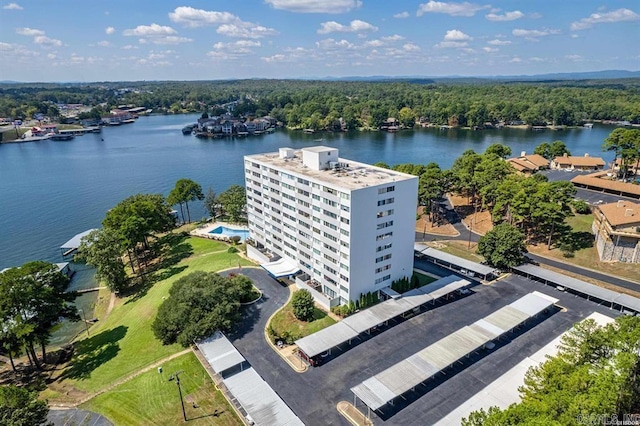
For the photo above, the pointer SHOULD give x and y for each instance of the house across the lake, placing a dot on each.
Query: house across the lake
(573, 162)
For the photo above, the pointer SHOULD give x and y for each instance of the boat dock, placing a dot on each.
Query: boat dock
(72, 245)
(80, 132)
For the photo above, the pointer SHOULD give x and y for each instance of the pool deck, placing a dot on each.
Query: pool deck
(204, 230)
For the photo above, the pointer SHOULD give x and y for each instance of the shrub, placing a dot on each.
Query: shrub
(568, 253)
(235, 239)
(302, 303)
(580, 206)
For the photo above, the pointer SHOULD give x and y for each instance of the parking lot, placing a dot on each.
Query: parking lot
(590, 196)
(314, 394)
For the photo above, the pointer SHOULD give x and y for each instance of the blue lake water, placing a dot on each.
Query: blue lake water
(50, 191)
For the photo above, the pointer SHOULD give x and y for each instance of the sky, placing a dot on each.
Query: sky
(115, 40)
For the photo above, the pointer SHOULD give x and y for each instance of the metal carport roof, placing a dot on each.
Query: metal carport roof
(385, 386)
(366, 319)
(460, 262)
(219, 352)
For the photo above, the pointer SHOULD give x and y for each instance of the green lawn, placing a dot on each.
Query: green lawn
(580, 222)
(152, 399)
(124, 342)
(424, 279)
(285, 324)
(461, 250)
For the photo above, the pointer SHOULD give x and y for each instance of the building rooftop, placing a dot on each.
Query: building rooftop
(345, 173)
(577, 161)
(621, 213)
(599, 180)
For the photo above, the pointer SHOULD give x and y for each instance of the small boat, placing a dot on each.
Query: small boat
(186, 130)
(61, 137)
(588, 125)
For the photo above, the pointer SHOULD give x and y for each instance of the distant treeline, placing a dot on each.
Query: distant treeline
(351, 104)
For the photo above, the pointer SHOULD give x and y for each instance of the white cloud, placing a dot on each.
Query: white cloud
(4, 47)
(619, 15)
(490, 49)
(150, 31)
(453, 9)
(275, 58)
(46, 41)
(237, 31)
(574, 58)
(374, 43)
(170, 40)
(353, 27)
(104, 43)
(401, 15)
(449, 44)
(315, 6)
(515, 60)
(533, 33)
(574, 36)
(497, 42)
(12, 6)
(193, 18)
(129, 47)
(331, 44)
(29, 32)
(456, 35)
(392, 38)
(51, 56)
(109, 30)
(508, 16)
(237, 45)
(410, 47)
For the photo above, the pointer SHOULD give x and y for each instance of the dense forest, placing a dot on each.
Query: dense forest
(349, 104)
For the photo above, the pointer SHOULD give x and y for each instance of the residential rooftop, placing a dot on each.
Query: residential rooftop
(343, 173)
(621, 213)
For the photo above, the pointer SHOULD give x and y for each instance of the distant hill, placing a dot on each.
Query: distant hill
(588, 75)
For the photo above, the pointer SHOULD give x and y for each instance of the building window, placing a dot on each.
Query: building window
(344, 208)
(303, 181)
(383, 213)
(344, 196)
(383, 268)
(383, 247)
(382, 279)
(383, 258)
(384, 236)
(385, 224)
(386, 189)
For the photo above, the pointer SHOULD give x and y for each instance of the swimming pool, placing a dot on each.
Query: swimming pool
(230, 232)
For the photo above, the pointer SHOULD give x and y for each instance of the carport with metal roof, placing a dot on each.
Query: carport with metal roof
(575, 285)
(384, 387)
(455, 263)
(351, 327)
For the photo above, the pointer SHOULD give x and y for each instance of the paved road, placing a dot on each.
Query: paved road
(620, 282)
(76, 417)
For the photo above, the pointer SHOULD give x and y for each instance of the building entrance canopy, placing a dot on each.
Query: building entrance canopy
(281, 268)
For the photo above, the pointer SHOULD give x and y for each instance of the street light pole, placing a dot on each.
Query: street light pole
(176, 375)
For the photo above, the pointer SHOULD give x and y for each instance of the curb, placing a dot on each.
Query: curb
(275, 349)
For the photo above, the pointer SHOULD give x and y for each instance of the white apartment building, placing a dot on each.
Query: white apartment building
(341, 227)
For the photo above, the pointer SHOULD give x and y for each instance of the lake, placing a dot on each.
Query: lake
(52, 190)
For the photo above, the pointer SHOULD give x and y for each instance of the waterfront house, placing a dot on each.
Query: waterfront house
(616, 227)
(632, 168)
(573, 162)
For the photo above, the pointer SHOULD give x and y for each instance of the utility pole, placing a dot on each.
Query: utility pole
(176, 376)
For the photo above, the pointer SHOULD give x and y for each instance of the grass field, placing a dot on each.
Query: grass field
(424, 279)
(152, 399)
(587, 257)
(124, 342)
(284, 323)
(460, 249)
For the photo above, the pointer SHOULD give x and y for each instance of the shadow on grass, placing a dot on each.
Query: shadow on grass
(318, 314)
(576, 240)
(92, 352)
(169, 250)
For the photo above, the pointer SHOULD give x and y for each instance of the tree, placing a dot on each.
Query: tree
(185, 190)
(595, 371)
(233, 202)
(32, 301)
(407, 117)
(103, 250)
(625, 143)
(198, 305)
(136, 218)
(544, 150)
(551, 205)
(501, 151)
(503, 246)
(558, 149)
(302, 303)
(211, 203)
(21, 407)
